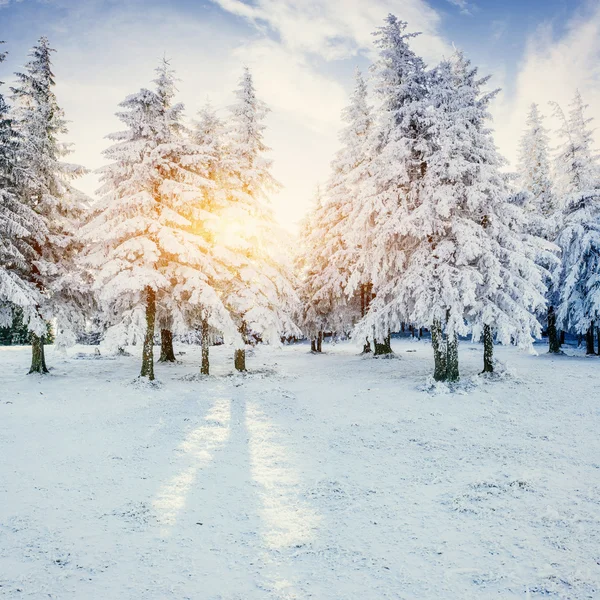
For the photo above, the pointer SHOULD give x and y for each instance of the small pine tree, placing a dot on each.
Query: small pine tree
(260, 293)
(534, 178)
(578, 179)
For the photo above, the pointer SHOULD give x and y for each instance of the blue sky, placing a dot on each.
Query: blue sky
(302, 53)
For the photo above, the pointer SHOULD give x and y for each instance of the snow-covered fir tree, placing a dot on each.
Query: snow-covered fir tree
(535, 179)
(17, 222)
(480, 259)
(323, 304)
(152, 254)
(330, 245)
(44, 183)
(534, 166)
(394, 162)
(260, 293)
(578, 182)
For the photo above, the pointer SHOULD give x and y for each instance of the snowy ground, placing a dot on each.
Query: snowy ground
(328, 477)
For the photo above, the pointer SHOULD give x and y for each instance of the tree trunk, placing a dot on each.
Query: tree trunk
(589, 340)
(148, 348)
(167, 353)
(320, 342)
(383, 348)
(239, 360)
(205, 366)
(313, 345)
(38, 358)
(488, 350)
(562, 337)
(439, 356)
(553, 340)
(452, 373)
(367, 347)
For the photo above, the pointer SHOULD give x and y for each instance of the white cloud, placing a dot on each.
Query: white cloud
(336, 29)
(464, 6)
(552, 69)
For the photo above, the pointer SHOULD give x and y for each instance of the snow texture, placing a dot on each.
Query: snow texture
(323, 477)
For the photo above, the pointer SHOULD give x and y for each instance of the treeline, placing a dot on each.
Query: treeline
(419, 224)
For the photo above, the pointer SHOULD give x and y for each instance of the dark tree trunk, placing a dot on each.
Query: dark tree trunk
(320, 342)
(167, 353)
(313, 345)
(553, 340)
(562, 337)
(148, 348)
(402, 326)
(420, 332)
(383, 348)
(452, 373)
(439, 356)
(589, 340)
(488, 350)
(239, 360)
(205, 366)
(367, 347)
(38, 358)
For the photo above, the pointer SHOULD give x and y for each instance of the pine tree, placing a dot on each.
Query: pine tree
(44, 186)
(579, 239)
(151, 252)
(260, 293)
(17, 222)
(535, 180)
(394, 163)
(321, 291)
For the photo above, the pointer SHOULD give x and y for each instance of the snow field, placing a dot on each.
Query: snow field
(328, 477)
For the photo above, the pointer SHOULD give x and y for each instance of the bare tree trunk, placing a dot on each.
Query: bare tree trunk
(38, 359)
(452, 373)
(562, 337)
(148, 348)
(366, 347)
(320, 342)
(205, 367)
(553, 340)
(239, 360)
(589, 340)
(313, 345)
(167, 353)
(488, 350)
(439, 356)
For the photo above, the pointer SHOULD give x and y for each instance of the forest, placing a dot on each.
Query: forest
(419, 222)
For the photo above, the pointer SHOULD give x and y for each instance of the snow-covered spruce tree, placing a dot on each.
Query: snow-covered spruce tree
(17, 223)
(147, 241)
(260, 294)
(343, 219)
(210, 135)
(578, 182)
(323, 304)
(394, 164)
(534, 177)
(44, 183)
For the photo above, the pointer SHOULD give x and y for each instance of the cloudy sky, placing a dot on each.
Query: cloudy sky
(302, 53)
